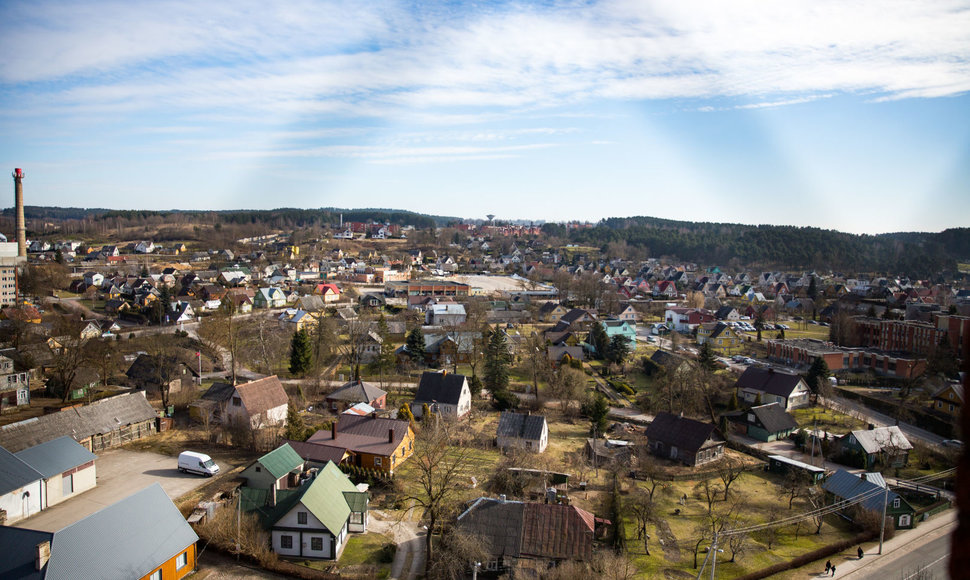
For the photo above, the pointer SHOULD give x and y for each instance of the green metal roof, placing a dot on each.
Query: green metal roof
(357, 500)
(281, 461)
(325, 498)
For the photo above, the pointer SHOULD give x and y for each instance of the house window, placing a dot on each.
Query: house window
(377, 461)
(356, 517)
(156, 575)
(286, 542)
(236, 402)
(301, 518)
(182, 561)
(895, 502)
(258, 469)
(951, 408)
(316, 544)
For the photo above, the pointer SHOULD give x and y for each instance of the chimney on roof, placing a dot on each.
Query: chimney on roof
(42, 555)
(390, 435)
(862, 476)
(333, 430)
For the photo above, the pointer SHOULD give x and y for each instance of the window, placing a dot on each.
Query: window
(895, 502)
(156, 575)
(236, 402)
(316, 544)
(286, 542)
(182, 561)
(301, 518)
(356, 517)
(377, 461)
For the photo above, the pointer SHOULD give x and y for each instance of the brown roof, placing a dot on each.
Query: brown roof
(364, 434)
(262, 395)
(317, 453)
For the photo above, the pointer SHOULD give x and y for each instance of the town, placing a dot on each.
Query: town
(365, 399)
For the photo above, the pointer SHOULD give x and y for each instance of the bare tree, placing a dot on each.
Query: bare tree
(641, 504)
(708, 491)
(794, 486)
(221, 331)
(738, 544)
(567, 384)
(438, 460)
(458, 548)
(729, 470)
(68, 356)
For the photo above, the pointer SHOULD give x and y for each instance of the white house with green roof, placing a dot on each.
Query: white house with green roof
(278, 470)
(315, 520)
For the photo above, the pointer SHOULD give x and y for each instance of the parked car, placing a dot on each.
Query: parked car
(952, 443)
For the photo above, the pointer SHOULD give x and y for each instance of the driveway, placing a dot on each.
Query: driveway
(120, 473)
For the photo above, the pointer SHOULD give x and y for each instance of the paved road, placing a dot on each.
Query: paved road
(120, 473)
(921, 553)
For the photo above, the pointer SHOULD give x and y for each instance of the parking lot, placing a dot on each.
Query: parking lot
(120, 473)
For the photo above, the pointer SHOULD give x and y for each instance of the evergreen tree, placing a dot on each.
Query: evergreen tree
(596, 408)
(475, 386)
(599, 339)
(301, 353)
(759, 324)
(295, 427)
(497, 362)
(812, 289)
(414, 345)
(818, 372)
(618, 349)
(404, 413)
(706, 357)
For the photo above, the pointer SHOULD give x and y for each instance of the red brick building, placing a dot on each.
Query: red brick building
(801, 353)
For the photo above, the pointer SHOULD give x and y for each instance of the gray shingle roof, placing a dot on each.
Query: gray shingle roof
(874, 440)
(687, 434)
(520, 426)
(56, 456)
(357, 392)
(439, 388)
(769, 381)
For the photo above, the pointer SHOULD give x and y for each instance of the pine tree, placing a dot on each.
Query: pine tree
(599, 339)
(301, 353)
(295, 427)
(818, 372)
(618, 349)
(497, 362)
(414, 345)
(706, 357)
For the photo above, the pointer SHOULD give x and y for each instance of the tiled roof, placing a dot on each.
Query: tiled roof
(262, 395)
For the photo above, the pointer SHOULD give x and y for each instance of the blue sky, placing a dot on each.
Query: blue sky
(846, 115)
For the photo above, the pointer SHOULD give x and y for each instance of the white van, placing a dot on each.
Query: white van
(193, 462)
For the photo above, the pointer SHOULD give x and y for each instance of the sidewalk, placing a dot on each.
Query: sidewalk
(848, 566)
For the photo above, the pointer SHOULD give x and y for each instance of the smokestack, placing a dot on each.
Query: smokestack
(333, 430)
(18, 197)
(42, 555)
(390, 435)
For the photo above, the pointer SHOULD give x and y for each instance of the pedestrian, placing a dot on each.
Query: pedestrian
(833, 571)
(861, 553)
(828, 566)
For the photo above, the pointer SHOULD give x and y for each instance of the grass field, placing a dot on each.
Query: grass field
(365, 556)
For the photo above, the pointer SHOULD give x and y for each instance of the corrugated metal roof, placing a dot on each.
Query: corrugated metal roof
(127, 539)
(19, 548)
(520, 426)
(56, 456)
(15, 473)
(281, 461)
(875, 440)
(324, 497)
(846, 485)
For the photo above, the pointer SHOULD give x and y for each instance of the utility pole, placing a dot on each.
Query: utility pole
(882, 528)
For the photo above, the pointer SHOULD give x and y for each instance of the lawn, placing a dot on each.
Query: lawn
(366, 556)
(826, 419)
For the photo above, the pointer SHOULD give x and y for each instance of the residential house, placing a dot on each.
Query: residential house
(329, 292)
(141, 536)
(577, 319)
(624, 328)
(144, 247)
(355, 392)
(522, 431)
(948, 400)
(275, 471)
(887, 446)
(528, 537)
(14, 386)
(153, 373)
(770, 386)
(313, 520)
(66, 466)
(685, 440)
(445, 314)
(445, 393)
(727, 313)
(21, 489)
(103, 424)
(551, 312)
(628, 314)
(687, 319)
(85, 380)
(296, 319)
(764, 422)
(272, 297)
(867, 487)
(262, 402)
(720, 336)
(368, 442)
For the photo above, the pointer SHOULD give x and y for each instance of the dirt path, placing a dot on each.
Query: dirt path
(409, 558)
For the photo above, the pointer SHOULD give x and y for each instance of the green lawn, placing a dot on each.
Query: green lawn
(366, 554)
(826, 419)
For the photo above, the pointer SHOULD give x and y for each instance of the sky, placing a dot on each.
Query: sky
(847, 115)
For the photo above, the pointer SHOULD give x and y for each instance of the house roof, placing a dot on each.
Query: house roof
(847, 485)
(531, 530)
(771, 381)
(15, 472)
(56, 456)
(520, 426)
(143, 531)
(317, 453)
(874, 440)
(281, 461)
(219, 392)
(685, 433)
(19, 547)
(440, 387)
(102, 416)
(774, 418)
(357, 391)
(262, 395)
(324, 498)
(362, 434)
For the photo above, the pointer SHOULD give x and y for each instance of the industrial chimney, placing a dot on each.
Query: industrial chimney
(18, 191)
